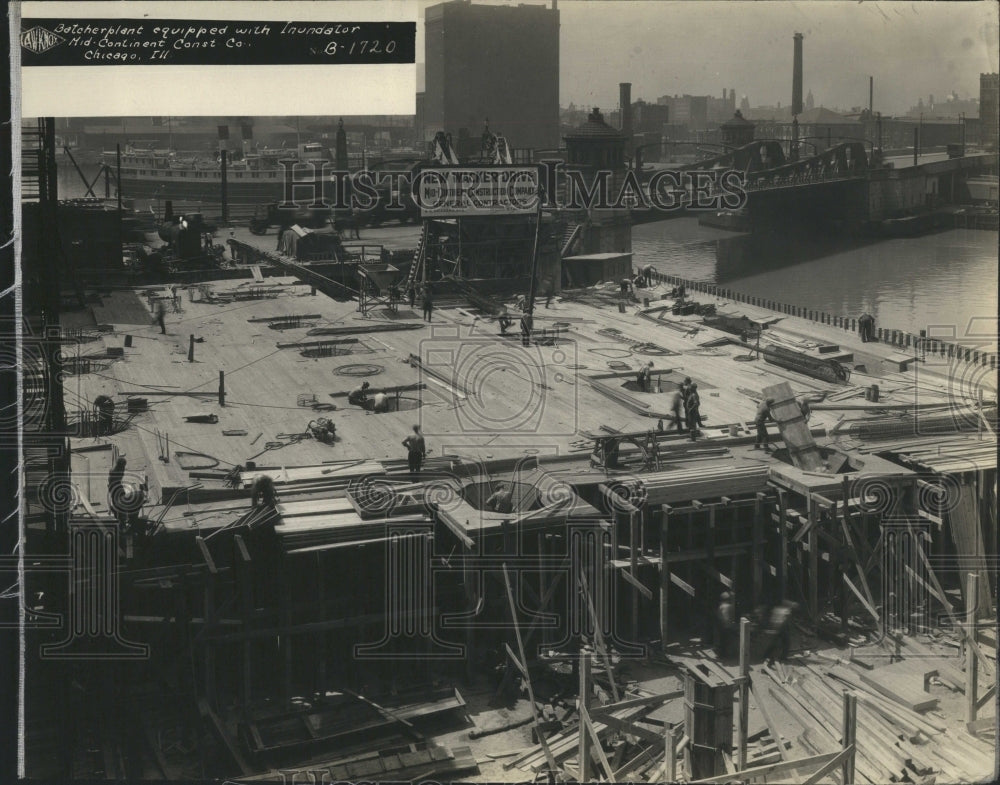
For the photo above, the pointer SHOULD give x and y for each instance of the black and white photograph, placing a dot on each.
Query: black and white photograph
(482, 391)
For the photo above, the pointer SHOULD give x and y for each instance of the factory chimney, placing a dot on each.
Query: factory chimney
(797, 76)
(871, 94)
(625, 100)
(341, 147)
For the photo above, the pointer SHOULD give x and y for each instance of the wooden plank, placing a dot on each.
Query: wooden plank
(684, 585)
(772, 727)
(522, 660)
(598, 748)
(645, 591)
(773, 770)
(629, 726)
(223, 736)
(793, 428)
(897, 687)
(864, 602)
(651, 701)
(830, 766)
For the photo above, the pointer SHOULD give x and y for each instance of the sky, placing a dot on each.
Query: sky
(912, 49)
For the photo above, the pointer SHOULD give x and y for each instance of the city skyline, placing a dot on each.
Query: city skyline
(911, 49)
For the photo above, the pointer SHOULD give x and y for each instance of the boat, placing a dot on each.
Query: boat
(193, 180)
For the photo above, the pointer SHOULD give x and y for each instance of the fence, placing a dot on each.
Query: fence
(897, 338)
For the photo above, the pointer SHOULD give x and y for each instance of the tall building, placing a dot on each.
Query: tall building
(989, 92)
(495, 63)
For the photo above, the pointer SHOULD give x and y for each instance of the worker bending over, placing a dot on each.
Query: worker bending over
(502, 499)
(358, 395)
(763, 415)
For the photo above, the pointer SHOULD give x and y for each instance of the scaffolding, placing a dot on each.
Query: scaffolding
(378, 287)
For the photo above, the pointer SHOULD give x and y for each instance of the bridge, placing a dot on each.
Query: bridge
(842, 183)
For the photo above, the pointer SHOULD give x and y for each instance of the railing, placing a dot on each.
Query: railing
(919, 346)
(766, 183)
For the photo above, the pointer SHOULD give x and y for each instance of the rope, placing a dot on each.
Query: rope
(180, 454)
(650, 349)
(359, 369)
(614, 354)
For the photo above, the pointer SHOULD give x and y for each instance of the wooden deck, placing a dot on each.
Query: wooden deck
(483, 397)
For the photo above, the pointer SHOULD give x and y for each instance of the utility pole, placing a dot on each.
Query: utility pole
(533, 284)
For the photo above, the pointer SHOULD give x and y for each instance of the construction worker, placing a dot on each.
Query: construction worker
(527, 323)
(649, 274)
(646, 377)
(116, 491)
(549, 290)
(805, 408)
(358, 395)
(505, 321)
(685, 387)
(133, 497)
(263, 493)
(381, 403)
(427, 302)
(626, 286)
(866, 327)
(640, 379)
(106, 415)
(725, 626)
(779, 629)
(692, 405)
(411, 292)
(160, 316)
(677, 410)
(416, 449)
(502, 499)
(763, 415)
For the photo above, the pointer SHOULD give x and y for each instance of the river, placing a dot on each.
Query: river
(909, 284)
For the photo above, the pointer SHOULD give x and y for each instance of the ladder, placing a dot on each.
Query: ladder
(32, 162)
(419, 260)
(569, 238)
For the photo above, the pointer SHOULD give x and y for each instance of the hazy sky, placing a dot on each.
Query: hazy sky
(913, 49)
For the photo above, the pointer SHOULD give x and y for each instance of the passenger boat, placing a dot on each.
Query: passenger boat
(194, 180)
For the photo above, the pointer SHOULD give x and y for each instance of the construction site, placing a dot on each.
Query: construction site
(542, 598)
(479, 499)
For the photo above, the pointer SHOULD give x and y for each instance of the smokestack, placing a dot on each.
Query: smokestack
(797, 76)
(341, 147)
(625, 99)
(625, 102)
(871, 94)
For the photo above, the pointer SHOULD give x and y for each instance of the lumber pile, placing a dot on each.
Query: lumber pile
(317, 477)
(895, 741)
(341, 719)
(704, 483)
(365, 329)
(639, 753)
(308, 533)
(411, 763)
